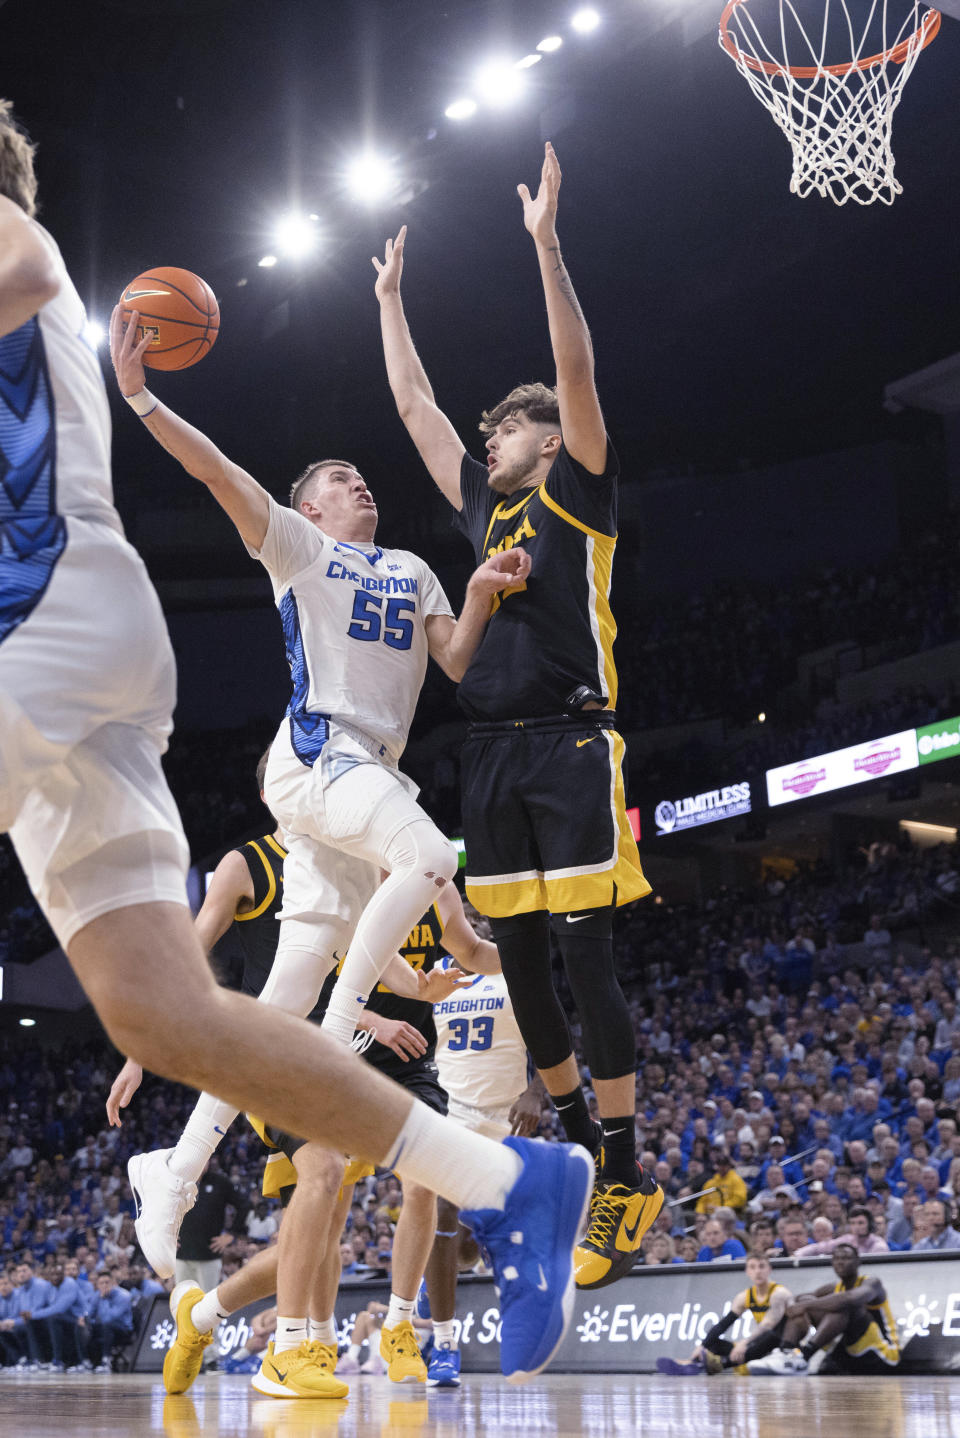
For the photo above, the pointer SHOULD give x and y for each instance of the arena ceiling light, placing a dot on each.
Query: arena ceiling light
(549, 43)
(295, 236)
(268, 262)
(461, 109)
(528, 62)
(499, 83)
(371, 178)
(585, 20)
(94, 333)
(28, 1023)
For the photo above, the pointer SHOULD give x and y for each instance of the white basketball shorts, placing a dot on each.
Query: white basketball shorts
(87, 690)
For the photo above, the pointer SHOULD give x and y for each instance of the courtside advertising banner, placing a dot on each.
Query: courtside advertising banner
(939, 741)
(661, 1312)
(843, 767)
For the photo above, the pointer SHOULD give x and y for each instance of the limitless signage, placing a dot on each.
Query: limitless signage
(843, 767)
(673, 815)
(939, 741)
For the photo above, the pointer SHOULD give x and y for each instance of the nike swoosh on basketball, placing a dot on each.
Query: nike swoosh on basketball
(140, 294)
(581, 742)
(578, 918)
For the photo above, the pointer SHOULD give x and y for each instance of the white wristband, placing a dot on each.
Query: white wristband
(142, 403)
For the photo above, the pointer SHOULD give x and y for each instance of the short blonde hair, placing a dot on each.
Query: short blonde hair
(18, 180)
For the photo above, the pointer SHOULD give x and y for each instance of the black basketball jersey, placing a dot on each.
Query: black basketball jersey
(258, 929)
(555, 632)
(422, 950)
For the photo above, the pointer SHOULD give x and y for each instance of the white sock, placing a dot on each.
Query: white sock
(291, 1332)
(400, 1311)
(323, 1330)
(469, 1170)
(355, 1350)
(204, 1129)
(345, 1007)
(208, 1311)
(443, 1333)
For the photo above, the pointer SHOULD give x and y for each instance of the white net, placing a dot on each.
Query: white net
(833, 91)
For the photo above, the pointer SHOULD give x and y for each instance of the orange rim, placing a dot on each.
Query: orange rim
(925, 32)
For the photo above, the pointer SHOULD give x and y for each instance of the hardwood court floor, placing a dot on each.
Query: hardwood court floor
(599, 1406)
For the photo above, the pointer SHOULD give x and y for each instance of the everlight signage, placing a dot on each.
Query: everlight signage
(939, 741)
(843, 767)
(672, 815)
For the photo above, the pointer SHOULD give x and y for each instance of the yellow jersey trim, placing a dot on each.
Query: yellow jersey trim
(277, 848)
(271, 894)
(500, 513)
(551, 503)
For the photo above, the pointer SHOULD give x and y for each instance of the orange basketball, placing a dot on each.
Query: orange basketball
(179, 310)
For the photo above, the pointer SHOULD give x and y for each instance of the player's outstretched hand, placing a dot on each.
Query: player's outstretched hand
(440, 984)
(405, 1041)
(502, 571)
(524, 1115)
(126, 353)
(540, 210)
(390, 268)
(125, 1085)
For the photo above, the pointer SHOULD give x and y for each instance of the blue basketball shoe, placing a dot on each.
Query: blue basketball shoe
(443, 1370)
(422, 1309)
(531, 1242)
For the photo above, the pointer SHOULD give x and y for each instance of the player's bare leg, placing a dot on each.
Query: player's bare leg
(146, 975)
(411, 1249)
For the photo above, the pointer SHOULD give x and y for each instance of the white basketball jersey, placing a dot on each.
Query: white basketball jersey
(481, 1057)
(81, 414)
(353, 620)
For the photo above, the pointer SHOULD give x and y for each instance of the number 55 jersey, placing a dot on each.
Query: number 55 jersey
(353, 622)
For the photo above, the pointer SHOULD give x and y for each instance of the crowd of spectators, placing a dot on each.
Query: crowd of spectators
(799, 1083)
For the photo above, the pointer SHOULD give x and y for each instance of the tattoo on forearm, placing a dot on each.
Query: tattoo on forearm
(566, 288)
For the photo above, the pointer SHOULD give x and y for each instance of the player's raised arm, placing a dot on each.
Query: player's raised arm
(28, 275)
(237, 492)
(433, 434)
(581, 419)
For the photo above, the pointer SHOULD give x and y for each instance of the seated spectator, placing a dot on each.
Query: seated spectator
(108, 1322)
(716, 1246)
(51, 1330)
(11, 1349)
(261, 1223)
(877, 937)
(770, 1197)
(859, 1234)
(762, 1236)
(660, 1250)
(792, 1230)
(728, 1188)
(934, 1235)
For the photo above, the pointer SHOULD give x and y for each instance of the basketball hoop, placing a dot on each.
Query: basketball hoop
(837, 116)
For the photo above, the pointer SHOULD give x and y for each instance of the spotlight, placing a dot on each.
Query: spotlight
(550, 43)
(528, 62)
(268, 262)
(295, 236)
(28, 1023)
(499, 83)
(94, 333)
(371, 178)
(461, 109)
(585, 20)
(761, 717)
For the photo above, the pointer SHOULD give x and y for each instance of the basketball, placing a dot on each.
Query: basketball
(179, 310)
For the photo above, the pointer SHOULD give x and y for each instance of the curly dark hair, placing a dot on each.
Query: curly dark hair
(537, 401)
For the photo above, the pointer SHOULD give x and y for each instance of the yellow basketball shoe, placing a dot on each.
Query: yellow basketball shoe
(296, 1373)
(185, 1357)
(619, 1217)
(401, 1352)
(324, 1355)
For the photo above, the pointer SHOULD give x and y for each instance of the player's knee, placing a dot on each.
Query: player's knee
(421, 847)
(416, 1197)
